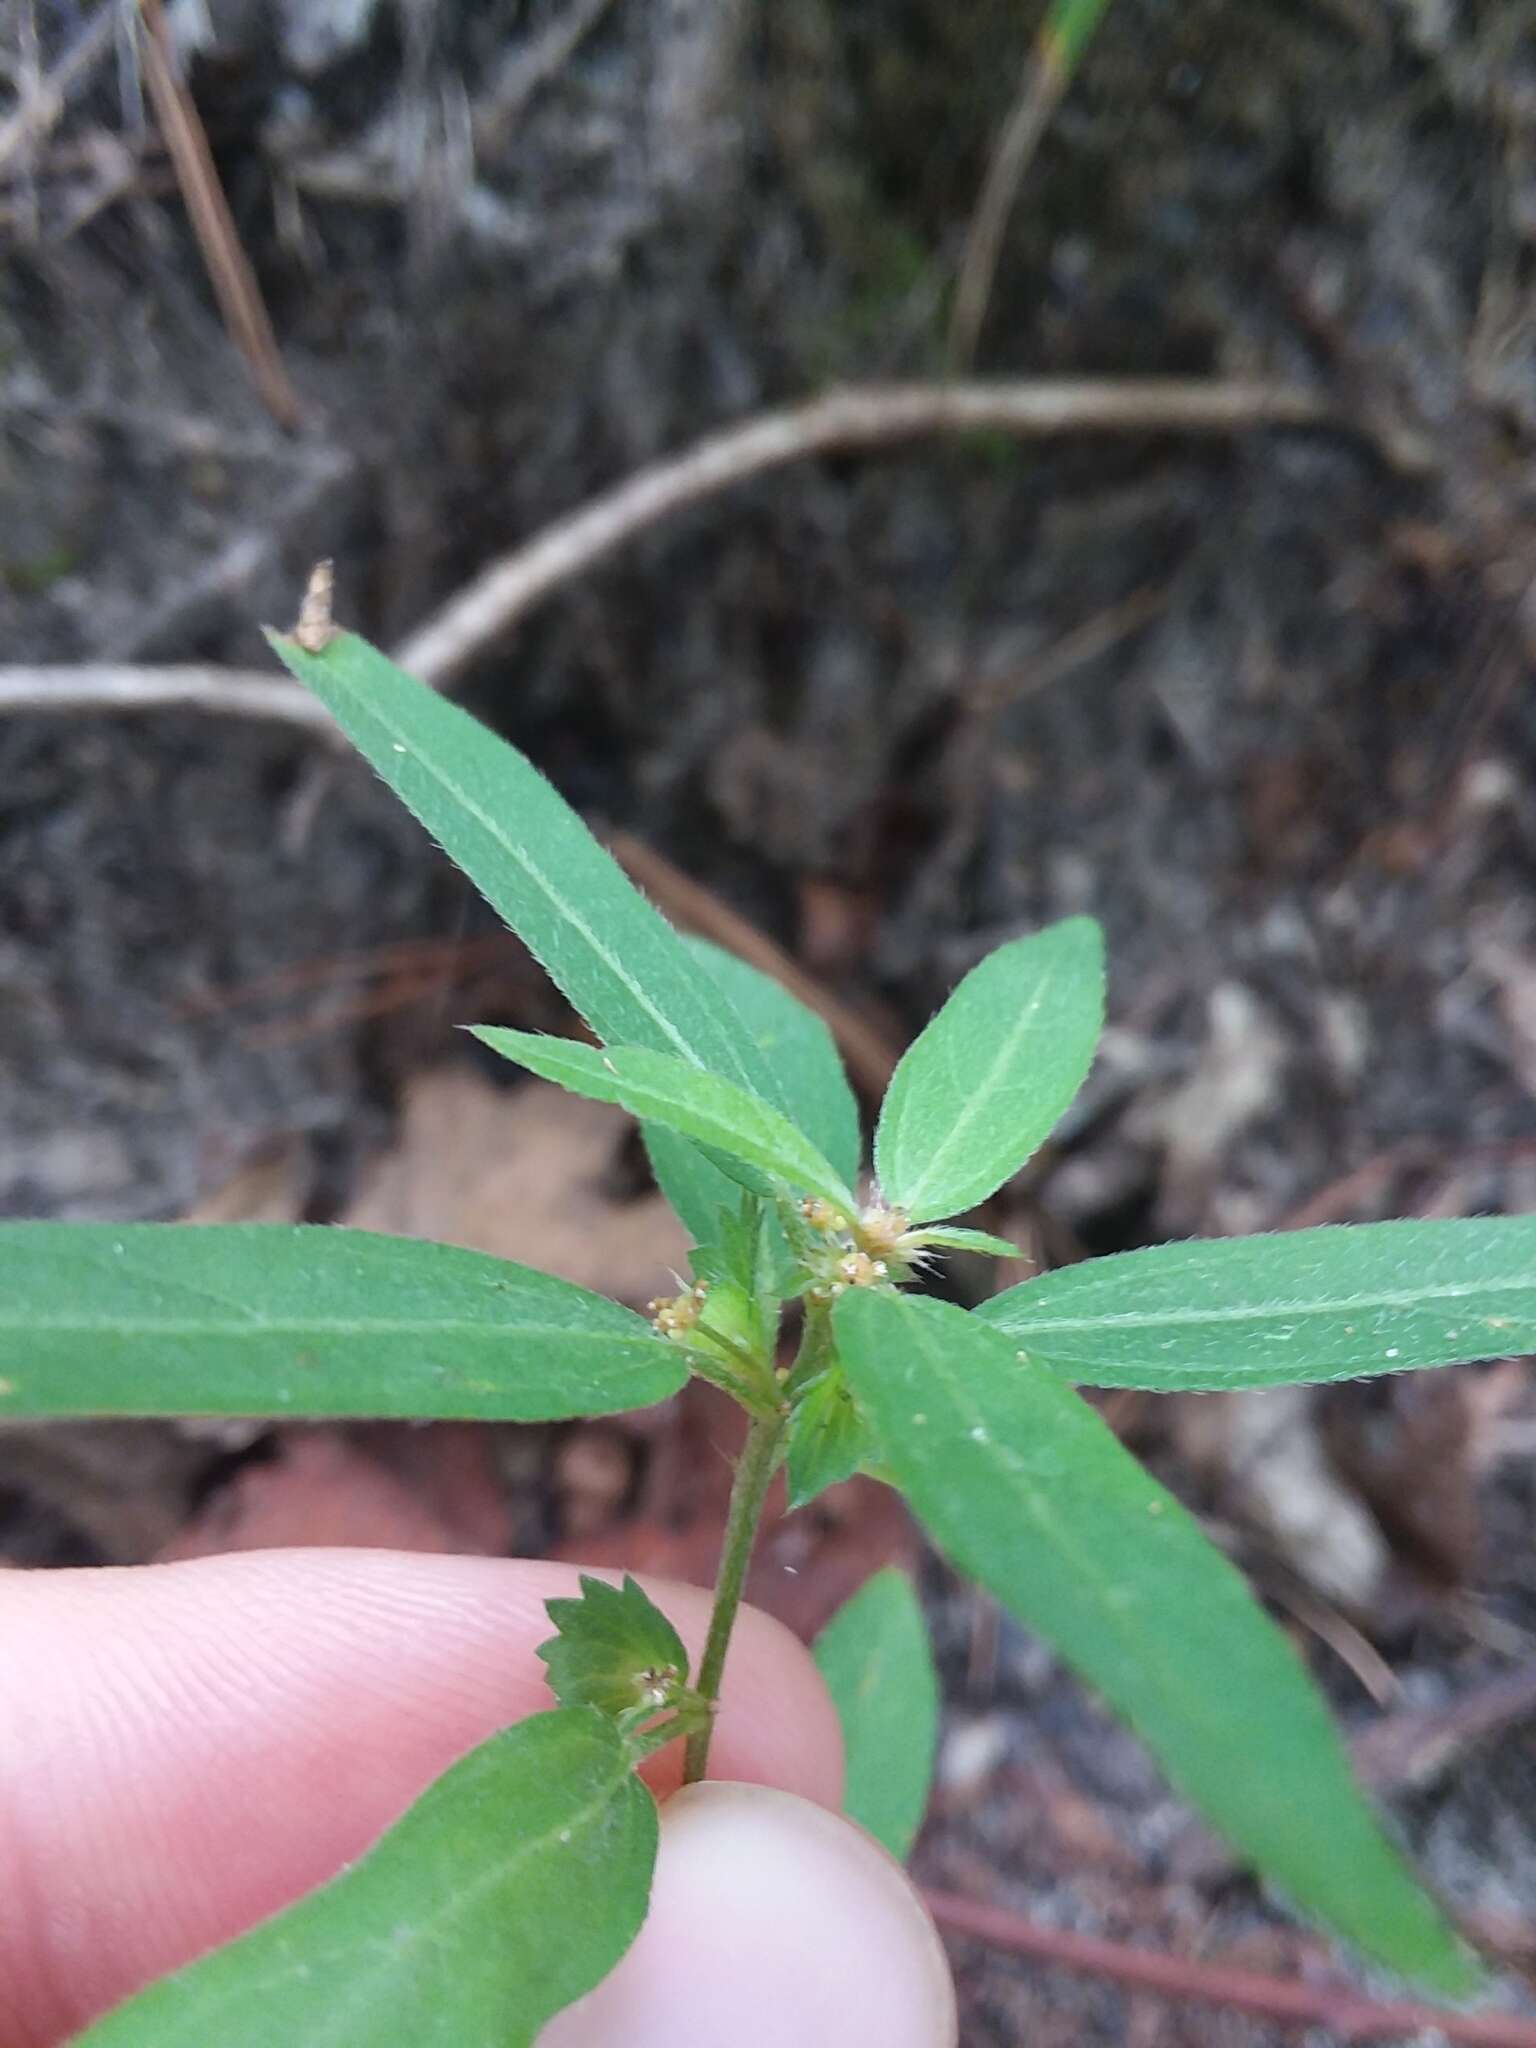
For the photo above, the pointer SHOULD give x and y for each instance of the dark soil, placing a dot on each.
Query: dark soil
(1286, 757)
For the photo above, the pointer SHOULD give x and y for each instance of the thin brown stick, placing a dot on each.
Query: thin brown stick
(229, 269)
(106, 687)
(1039, 95)
(869, 416)
(871, 1061)
(1342, 2011)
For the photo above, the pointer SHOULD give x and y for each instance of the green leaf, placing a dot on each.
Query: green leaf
(949, 1237)
(875, 1658)
(1026, 1489)
(510, 1889)
(700, 1106)
(993, 1073)
(804, 1059)
(620, 963)
(827, 1438)
(1341, 1302)
(799, 1051)
(614, 1650)
(272, 1319)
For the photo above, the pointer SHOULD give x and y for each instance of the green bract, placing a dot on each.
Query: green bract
(522, 1875)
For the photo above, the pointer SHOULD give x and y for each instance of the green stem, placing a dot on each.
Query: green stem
(749, 1489)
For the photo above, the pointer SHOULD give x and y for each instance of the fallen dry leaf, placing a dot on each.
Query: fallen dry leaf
(384, 1488)
(527, 1173)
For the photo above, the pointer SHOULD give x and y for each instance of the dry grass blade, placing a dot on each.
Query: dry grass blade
(1047, 74)
(229, 269)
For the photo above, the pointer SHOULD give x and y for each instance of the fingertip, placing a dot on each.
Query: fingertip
(185, 1748)
(775, 1922)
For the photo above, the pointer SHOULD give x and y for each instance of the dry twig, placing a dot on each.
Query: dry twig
(229, 269)
(1342, 2012)
(104, 687)
(870, 416)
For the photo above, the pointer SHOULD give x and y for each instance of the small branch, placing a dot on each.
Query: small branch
(229, 693)
(229, 269)
(1341, 2011)
(871, 416)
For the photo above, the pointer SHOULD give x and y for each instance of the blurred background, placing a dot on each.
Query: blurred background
(1245, 672)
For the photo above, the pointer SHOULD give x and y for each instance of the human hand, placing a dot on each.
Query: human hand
(186, 1748)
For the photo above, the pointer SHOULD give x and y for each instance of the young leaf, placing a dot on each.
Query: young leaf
(1024, 1487)
(700, 1106)
(950, 1237)
(618, 960)
(1340, 1302)
(993, 1073)
(799, 1049)
(828, 1441)
(510, 1889)
(614, 1650)
(875, 1658)
(271, 1319)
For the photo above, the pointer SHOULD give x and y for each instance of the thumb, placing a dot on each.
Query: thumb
(775, 1922)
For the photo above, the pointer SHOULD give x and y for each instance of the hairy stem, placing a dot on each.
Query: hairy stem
(748, 1491)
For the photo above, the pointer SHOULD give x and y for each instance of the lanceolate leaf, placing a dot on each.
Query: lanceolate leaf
(814, 1088)
(268, 1319)
(1337, 1303)
(1025, 1488)
(993, 1073)
(508, 1890)
(700, 1106)
(875, 1658)
(621, 964)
